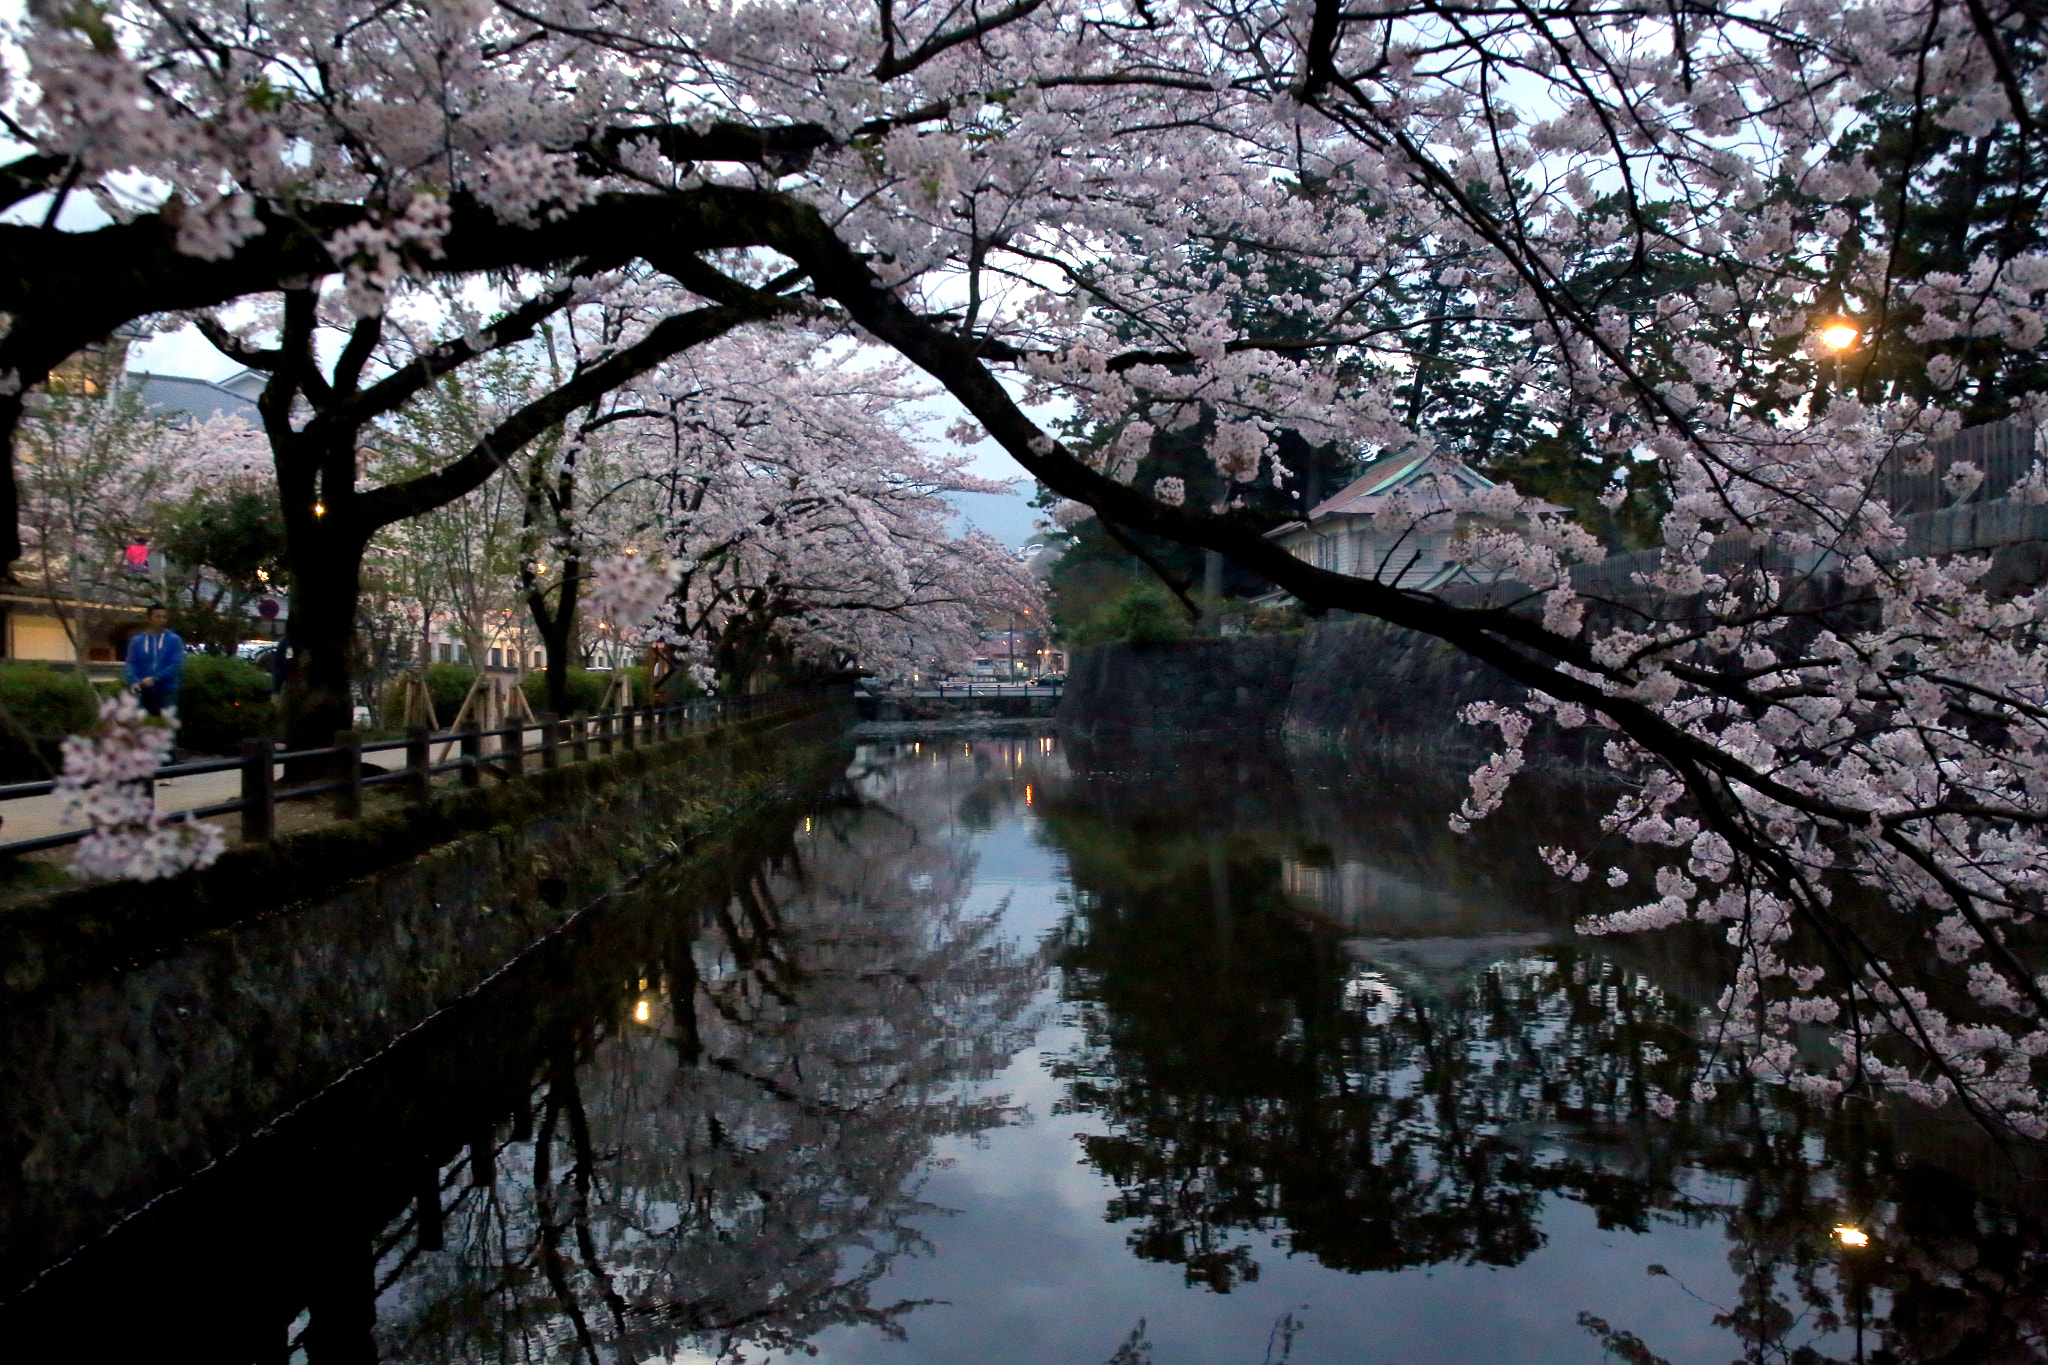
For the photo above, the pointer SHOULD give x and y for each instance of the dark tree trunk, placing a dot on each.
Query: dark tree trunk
(327, 576)
(556, 627)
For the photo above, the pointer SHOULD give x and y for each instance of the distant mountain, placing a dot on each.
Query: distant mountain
(1009, 517)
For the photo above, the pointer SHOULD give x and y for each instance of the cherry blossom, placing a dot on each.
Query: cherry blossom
(106, 783)
(1218, 218)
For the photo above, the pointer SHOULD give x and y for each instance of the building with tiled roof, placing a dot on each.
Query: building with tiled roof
(1345, 535)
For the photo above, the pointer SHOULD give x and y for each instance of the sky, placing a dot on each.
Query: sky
(1008, 518)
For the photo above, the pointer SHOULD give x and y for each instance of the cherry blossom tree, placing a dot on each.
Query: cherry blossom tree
(1046, 197)
(798, 520)
(98, 471)
(319, 414)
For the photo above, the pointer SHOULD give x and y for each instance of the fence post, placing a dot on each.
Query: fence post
(512, 749)
(472, 752)
(259, 792)
(419, 762)
(348, 770)
(629, 727)
(604, 734)
(550, 742)
(579, 738)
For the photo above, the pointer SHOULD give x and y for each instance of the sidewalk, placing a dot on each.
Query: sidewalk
(32, 817)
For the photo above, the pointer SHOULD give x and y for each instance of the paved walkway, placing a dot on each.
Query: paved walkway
(32, 817)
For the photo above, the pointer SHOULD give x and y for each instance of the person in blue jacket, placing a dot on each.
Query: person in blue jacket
(156, 662)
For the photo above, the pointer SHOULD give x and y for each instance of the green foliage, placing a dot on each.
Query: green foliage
(448, 684)
(221, 702)
(586, 690)
(236, 532)
(643, 684)
(1948, 197)
(38, 707)
(230, 541)
(1143, 614)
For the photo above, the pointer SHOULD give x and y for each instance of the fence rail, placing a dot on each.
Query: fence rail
(969, 690)
(471, 752)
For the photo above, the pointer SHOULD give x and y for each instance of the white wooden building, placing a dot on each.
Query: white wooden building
(1345, 534)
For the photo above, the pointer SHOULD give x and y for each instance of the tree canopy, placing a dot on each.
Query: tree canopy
(1706, 247)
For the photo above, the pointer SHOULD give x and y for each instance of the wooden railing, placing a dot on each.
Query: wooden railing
(470, 752)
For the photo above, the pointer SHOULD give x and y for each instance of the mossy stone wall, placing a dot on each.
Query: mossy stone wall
(121, 1084)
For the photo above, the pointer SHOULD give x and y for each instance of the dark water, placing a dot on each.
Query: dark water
(999, 1053)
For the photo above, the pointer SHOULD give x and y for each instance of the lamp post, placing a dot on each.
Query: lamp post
(1838, 338)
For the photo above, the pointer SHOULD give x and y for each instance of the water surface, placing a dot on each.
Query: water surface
(997, 1052)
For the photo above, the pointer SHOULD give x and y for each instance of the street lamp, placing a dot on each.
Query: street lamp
(1838, 338)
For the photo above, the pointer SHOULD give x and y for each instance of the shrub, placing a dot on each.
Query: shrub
(38, 707)
(586, 690)
(221, 702)
(1142, 614)
(448, 684)
(601, 681)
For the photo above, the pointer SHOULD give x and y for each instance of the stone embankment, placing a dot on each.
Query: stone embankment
(1359, 688)
(125, 1079)
(463, 845)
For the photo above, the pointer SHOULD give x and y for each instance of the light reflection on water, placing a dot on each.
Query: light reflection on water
(1005, 1053)
(1168, 1060)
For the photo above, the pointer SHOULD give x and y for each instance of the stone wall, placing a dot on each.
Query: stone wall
(110, 927)
(127, 1082)
(1360, 688)
(1189, 688)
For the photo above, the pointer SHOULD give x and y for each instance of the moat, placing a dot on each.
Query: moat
(1002, 1050)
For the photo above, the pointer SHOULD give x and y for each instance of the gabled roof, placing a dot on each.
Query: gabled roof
(199, 399)
(248, 383)
(1408, 468)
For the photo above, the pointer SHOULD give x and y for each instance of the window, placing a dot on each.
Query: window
(497, 658)
(447, 651)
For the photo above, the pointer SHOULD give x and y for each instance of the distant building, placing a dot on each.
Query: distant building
(1345, 534)
(201, 400)
(32, 627)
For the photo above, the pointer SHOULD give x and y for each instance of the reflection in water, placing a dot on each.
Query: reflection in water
(1359, 1087)
(1310, 1039)
(735, 1163)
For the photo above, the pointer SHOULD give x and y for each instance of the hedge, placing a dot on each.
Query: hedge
(38, 707)
(222, 701)
(586, 690)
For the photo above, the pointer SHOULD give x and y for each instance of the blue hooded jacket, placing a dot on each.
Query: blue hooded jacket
(158, 656)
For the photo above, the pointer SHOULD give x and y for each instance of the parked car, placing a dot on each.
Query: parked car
(1050, 680)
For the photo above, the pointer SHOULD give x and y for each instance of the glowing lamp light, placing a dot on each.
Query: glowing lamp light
(1839, 336)
(319, 509)
(1852, 1237)
(642, 1012)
